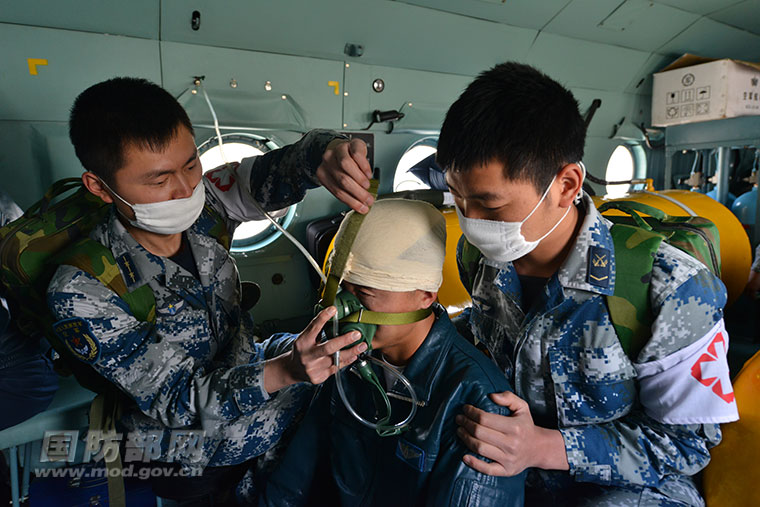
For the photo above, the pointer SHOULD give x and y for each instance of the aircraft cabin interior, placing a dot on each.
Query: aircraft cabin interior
(668, 90)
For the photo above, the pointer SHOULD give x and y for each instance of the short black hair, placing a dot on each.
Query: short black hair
(515, 115)
(108, 116)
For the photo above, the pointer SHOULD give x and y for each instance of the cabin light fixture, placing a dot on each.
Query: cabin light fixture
(284, 97)
(233, 83)
(268, 86)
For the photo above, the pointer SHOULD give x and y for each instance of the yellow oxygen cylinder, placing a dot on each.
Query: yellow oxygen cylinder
(731, 478)
(735, 250)
(452, 294)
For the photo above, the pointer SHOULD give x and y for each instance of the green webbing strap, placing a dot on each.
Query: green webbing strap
(104, 411)
(97, 260)
(632, 207)
(219, 231)
(629, 307)
(387, 319)
(56, 189)
(340, 256)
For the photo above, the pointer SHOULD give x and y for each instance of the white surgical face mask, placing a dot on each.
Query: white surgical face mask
(167, 217)
(503, 241)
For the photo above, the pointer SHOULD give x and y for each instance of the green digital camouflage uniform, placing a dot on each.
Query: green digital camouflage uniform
(198, 367)
(635, 431)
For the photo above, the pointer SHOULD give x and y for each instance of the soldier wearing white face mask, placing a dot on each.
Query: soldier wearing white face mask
(197, 366)
(591, 425)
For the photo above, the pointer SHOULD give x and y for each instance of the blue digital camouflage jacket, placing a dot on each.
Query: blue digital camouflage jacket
(565, 360)
(198, 367)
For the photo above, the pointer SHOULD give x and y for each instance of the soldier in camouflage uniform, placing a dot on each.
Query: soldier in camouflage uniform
(197, 367)
(592, 425)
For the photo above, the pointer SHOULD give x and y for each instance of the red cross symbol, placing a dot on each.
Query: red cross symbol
(709, 372)
(221, 178)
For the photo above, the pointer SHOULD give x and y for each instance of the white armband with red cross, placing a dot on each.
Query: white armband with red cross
(231, 185)
(692, 385)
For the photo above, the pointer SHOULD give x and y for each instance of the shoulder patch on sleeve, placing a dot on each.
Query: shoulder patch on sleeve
(598, 272)
(77, 335)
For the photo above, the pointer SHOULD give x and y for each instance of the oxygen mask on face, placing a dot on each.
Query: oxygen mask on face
(351, 316)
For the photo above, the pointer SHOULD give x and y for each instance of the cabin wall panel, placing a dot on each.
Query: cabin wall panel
(310, 100)
(32, 156)
(423, 97)
(135, 18)
(392, 33)
(75, 61)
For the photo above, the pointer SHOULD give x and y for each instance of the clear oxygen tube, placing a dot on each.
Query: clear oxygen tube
(382, 427)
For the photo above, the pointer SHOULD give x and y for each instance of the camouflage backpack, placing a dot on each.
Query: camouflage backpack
(636, 239)
(52, 232)
(55, 231)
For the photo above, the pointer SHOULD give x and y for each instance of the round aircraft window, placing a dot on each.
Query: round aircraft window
(256, 233)
(620, 167)
(417, 168)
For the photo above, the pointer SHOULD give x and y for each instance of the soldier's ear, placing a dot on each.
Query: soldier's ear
(427, 298)
(570, 178)
(96, 187)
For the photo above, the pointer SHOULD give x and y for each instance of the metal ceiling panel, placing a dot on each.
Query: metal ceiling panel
(745, 15)
(585, 64)
(636, 24)
(699, 6)
(391, 33)
(43, 69)
(525, 13)
(136, 18)
(715, 40)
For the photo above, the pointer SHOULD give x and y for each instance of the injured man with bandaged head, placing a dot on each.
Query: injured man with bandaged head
(383, 431)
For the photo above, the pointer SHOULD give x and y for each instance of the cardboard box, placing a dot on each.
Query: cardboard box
(694, 89)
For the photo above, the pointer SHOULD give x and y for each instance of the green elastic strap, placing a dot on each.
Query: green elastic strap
(219, 231)
(56, 189)
(629, 307)
(98, 261)
(628, 206)
(340, 256)
(104, 412)
(387, 319)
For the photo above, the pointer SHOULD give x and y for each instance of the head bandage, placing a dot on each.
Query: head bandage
(400, 247)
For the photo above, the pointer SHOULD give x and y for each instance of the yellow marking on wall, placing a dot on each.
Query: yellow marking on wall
(33, 62)
(336, 85)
